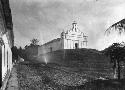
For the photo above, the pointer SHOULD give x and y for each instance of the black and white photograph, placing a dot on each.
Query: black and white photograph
(62, 44)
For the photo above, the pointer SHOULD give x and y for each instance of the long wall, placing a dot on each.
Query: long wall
(62, 43)
(49, 47)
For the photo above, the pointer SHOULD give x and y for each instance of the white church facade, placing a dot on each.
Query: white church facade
(70, 39)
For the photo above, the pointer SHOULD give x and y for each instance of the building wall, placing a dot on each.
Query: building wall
(6, 57)
(53, 46)
(6, 40)
(70, 44)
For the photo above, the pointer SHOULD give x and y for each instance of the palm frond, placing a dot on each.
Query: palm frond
(118, 26)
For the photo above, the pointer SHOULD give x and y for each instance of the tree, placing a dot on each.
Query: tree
(32, 49)
(15, 52)
(34, 42)
(118, 26)
(116, 52)
(20, 52)
(26, 47)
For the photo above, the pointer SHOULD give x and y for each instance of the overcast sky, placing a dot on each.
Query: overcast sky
(46, 19)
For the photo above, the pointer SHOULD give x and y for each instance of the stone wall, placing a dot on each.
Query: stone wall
(54, 45)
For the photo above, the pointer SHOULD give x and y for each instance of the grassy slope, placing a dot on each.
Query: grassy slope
(89, 60)
(77, 55)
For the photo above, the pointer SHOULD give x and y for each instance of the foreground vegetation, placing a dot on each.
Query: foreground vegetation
(39, 76)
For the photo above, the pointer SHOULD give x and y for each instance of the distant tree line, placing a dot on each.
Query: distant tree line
(28, 50)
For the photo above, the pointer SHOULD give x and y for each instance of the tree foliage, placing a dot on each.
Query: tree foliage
(118, 26)
(34, 42)
(31, 50)
(15, 52)
(116, 52)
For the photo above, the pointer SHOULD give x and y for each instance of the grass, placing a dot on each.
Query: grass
(111, 84)
(86, 61)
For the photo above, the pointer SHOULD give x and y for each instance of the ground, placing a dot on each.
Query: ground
(41, 76)
(32, 76)
(80, 69)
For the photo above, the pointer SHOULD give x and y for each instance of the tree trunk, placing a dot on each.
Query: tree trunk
(118, 64)
(115, 69)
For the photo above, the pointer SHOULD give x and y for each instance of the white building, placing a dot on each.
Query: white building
(6, 42)
(70, 39)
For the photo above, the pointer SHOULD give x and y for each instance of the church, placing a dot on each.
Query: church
(70, 39)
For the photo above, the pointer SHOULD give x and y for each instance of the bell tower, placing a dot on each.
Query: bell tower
(74, 26)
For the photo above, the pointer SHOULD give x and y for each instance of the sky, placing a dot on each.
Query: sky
(46, 19)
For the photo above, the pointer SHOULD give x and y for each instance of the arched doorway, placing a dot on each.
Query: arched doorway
(76, 46)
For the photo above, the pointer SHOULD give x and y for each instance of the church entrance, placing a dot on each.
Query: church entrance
(76, 46)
